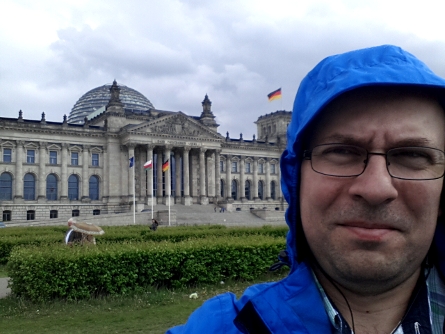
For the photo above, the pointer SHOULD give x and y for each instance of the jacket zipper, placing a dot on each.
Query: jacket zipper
(417, 327)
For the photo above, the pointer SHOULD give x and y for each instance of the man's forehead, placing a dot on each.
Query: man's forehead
(365, 103)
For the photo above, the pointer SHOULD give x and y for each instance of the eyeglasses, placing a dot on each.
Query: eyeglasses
(406, 163)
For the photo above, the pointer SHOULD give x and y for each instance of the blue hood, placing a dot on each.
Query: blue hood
(333, 76)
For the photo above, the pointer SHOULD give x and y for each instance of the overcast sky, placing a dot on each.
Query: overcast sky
(176, 51)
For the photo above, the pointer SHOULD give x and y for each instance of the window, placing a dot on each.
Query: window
(272, 190)
(7, 154)
(95, 159)
(73, 187)
(51, 187)
(272, 169)
(94, 188)
(29, 187)
(96, 212)
(260, 190)
(30, 156)
(53, 157)
(261, 168)
(234, 166)
(75, 213)
(247, 167)
(6, 187)
(53, 214)
(6, 216)
(74, 158)
(221, 166)
(247, 189)
(234, 189)
(30, 215)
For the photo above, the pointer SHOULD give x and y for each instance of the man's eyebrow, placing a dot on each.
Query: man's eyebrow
(350, 140)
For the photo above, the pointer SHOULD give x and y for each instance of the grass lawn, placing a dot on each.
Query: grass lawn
(147, 311)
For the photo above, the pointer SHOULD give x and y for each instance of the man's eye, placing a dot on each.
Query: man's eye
(341, 151)
(414, 156)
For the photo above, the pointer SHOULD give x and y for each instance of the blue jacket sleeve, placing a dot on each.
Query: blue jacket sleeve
(216, 315)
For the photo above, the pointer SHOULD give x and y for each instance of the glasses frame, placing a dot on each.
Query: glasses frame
(307, 155)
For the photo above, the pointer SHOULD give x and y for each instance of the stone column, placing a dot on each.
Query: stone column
(64, 181)
(124, 163)
(278, 170)
(159, 184)
(167, 176)
(186, 200)
(131, 170)
(150, 171)
(18, 197)
(228, 176)
(202, 177)
(210, 174)
(268, 198)
(42, 172)
(177, 176)
(103, 189)
(255, 178)
(242, 187)
(217, 175)
(85, 164)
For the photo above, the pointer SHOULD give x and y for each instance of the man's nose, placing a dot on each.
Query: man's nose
(374, 185)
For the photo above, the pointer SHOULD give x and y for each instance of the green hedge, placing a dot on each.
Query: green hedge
(43, 273)
(43, 236)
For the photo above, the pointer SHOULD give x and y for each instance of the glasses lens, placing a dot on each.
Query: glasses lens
(338, 159)
(416, 163)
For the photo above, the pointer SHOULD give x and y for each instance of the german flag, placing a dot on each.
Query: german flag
(165, 166)
(276, 94)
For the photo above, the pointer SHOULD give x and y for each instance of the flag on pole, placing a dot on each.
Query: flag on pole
(148, 165)
(131, 162)
(275, 95)
(165, 166)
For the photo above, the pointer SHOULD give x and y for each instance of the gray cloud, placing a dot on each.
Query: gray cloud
(174, 52)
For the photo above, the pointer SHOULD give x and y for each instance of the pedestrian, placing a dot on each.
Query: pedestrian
(154, 225)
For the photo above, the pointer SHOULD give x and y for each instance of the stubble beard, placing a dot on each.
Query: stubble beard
(368, 269)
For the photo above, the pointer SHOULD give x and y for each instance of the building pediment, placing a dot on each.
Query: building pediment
(177, 124)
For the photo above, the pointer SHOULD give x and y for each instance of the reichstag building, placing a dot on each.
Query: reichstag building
(80, 166)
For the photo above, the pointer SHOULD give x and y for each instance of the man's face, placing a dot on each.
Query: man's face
(371, 232)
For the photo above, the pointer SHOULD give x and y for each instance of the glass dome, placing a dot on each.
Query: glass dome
(99, 97)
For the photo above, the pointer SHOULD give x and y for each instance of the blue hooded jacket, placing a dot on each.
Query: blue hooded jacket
(294, 304)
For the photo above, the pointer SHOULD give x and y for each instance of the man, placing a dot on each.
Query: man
(363, 176)
(72, 236)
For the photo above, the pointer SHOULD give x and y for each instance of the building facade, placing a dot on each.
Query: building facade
(58, 170)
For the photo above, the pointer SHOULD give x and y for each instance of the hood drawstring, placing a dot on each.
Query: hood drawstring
(283, 258)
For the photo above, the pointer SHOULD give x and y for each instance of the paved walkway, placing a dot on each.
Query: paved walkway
(4, 290)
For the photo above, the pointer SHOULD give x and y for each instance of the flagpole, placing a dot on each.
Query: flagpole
(134, 196)
(152, 180)
(170, 192)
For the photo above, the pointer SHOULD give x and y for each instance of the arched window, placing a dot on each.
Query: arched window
(73, 187)
(29, 187)
(6, 187)
(272, 190)
(234, 189)
(94, 188)
(260, 190)
(222, 185)
(51, 187)
(247, 189)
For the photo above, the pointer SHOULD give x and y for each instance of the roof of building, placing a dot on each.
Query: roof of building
(100, 96)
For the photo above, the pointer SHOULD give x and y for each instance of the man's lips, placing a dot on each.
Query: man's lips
(369, 231)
